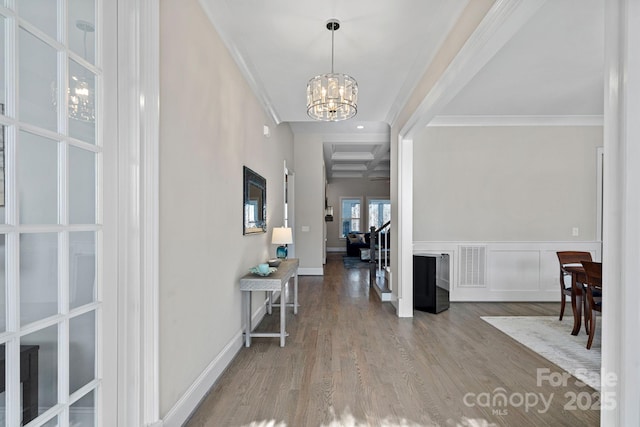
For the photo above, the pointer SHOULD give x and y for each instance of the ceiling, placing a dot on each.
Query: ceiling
(551, 66)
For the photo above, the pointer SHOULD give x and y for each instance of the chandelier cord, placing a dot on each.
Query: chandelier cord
(84, 42)
(332, 32)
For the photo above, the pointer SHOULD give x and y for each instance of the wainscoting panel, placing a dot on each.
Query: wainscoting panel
(513, 270)
(550, 271)
(516, 271)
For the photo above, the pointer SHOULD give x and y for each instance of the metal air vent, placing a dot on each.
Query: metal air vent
(473, 266)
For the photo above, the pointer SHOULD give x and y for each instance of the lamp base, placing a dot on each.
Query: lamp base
(281, 252)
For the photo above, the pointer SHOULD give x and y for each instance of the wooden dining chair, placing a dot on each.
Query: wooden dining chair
(569, 258)
(593, 271)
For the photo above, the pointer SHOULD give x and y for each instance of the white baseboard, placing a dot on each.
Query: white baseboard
(181, 411)
(310, 271)
(384, 296)
(337, 249)
(190, 400)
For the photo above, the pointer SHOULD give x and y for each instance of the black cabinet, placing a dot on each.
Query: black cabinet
(431, 282)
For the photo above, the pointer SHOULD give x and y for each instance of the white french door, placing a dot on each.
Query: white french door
(56, 290)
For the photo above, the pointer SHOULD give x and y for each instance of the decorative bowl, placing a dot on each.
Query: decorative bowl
(255, 270)
(274, 262)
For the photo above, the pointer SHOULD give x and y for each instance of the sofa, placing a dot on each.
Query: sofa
(357, 241)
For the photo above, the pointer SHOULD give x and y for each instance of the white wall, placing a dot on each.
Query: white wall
(505, 183)
(211, 125)
(309, 203)
(349, 187)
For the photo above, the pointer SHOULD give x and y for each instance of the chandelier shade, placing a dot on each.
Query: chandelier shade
(333, 96)
(81, 99)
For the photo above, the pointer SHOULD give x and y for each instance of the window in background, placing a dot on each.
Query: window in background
(379, 212)
(350, 209)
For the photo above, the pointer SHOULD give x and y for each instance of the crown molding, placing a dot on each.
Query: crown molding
(567, 120)
(243, 64)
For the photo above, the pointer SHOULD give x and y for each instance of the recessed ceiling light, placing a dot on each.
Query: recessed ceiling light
(360, 127)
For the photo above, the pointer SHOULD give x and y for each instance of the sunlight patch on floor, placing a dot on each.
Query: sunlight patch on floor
(271, 423)
(348, 420)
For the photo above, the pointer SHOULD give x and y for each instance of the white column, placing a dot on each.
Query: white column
(404, 273)
(621, 228)
(138, 130)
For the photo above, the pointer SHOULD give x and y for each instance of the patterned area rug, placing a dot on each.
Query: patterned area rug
(552, 339)
(354, 262)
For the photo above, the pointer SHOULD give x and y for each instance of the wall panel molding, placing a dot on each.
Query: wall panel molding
(516, 271)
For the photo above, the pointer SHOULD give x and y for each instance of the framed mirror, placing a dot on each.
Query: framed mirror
(255, 203)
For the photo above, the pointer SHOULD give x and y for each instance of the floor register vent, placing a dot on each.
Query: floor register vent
(473, 266)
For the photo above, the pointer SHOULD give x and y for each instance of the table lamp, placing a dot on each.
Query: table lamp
(281, 236)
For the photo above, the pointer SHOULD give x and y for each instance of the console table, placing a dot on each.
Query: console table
(276, 281)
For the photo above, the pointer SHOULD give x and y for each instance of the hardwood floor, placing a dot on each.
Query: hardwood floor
(349, 361)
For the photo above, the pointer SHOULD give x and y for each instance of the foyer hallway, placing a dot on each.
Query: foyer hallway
(349, 361)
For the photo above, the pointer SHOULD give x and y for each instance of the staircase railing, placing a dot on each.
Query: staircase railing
(379, 253)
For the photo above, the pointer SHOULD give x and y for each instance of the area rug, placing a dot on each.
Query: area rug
(552, 339)
(354, 262)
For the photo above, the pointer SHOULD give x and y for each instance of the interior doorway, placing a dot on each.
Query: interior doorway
(289, 205)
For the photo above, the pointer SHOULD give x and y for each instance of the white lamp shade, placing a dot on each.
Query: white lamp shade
(282, 236)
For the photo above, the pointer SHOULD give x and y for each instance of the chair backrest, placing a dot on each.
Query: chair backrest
(573, 257)
(593, 271)
(568, 258)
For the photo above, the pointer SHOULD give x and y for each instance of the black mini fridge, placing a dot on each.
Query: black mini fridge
(431, 282)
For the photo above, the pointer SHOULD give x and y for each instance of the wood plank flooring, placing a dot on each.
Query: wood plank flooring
(349, 361)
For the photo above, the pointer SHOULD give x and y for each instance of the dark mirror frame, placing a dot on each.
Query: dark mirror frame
(253, 185)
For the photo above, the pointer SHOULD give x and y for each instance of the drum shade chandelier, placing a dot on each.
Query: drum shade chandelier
(80, 93)
(332, 97)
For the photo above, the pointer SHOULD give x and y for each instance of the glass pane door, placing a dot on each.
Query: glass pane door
(50, 210)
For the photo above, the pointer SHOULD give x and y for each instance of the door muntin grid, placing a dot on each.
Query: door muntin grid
(49, 209)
